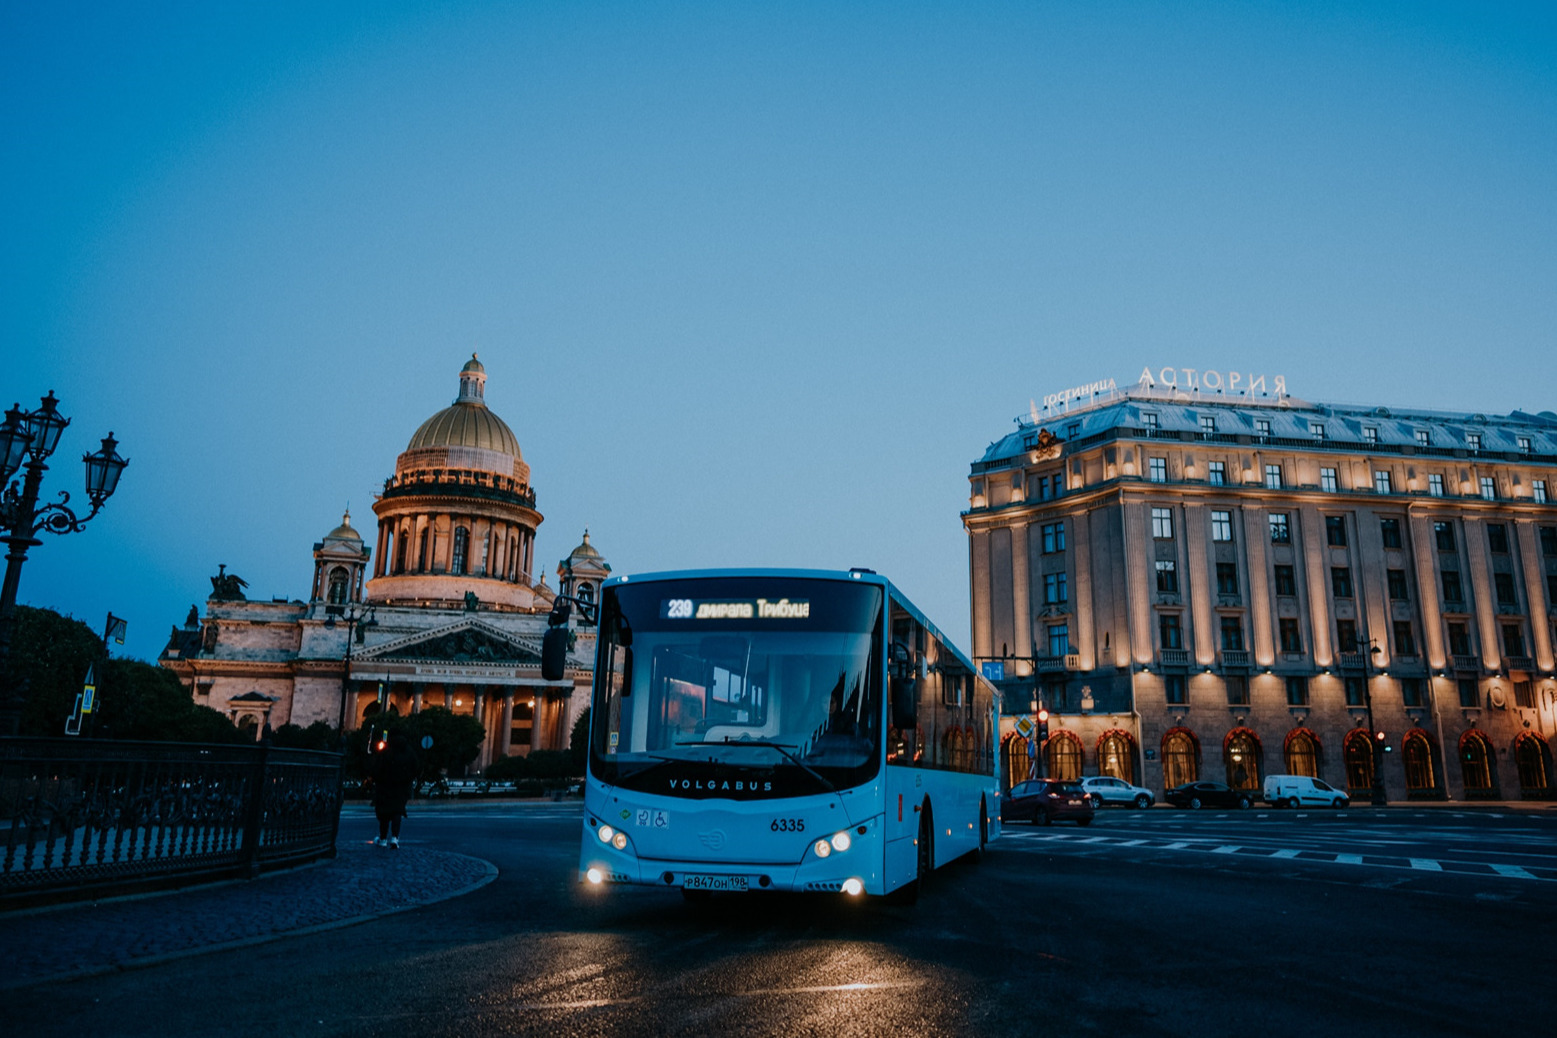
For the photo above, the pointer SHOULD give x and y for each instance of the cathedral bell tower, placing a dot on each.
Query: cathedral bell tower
(340, 566)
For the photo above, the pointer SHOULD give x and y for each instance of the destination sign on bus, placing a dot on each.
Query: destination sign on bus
(735, 609)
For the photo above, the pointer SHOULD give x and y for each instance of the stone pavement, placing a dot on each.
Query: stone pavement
(363, 882)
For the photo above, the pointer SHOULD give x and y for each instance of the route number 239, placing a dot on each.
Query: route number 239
(788, 825)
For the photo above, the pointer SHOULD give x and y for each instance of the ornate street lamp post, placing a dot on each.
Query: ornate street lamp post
(1375, 737)
(27, 438)
(355, 622)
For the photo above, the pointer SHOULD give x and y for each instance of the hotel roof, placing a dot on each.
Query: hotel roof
(1292, 423)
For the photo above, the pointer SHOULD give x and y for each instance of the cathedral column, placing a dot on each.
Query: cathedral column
(506, 723)
(416, 699)
(477, 705)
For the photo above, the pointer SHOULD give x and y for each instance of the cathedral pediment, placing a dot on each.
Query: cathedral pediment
(467, 642)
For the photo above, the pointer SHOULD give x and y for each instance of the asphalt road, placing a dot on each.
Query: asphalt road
(1145, 923)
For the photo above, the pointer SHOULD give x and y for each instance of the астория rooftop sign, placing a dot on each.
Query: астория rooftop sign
(1211, 381)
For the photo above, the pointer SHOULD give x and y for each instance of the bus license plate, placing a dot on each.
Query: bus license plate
(695, 882)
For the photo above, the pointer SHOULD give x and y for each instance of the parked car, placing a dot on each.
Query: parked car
(1108, 790)
(1042, 801)
(1209, 794)
(1298, 790)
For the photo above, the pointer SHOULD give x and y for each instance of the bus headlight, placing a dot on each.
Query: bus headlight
(823, 848)
(605, 834)
(853, 886)
(619, 841)
(842, 842)
(594, 876)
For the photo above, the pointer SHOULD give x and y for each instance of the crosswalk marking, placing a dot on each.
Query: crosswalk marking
(1426, 863)
(1225, 849)
(1287, 852)
(1348, 859)
(1511, 870)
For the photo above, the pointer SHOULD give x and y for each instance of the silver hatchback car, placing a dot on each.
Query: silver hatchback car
(1118, 792)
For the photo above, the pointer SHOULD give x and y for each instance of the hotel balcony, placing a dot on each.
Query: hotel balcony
(1237, 659)
(1174, 657)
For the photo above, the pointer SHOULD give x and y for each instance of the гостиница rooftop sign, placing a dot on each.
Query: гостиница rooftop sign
(1198, 380)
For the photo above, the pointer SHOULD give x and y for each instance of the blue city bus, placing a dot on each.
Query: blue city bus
(791, 730)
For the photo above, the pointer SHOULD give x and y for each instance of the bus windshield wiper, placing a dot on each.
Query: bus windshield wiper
(781, 747)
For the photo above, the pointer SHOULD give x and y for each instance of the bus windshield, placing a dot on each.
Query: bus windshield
(739, 687)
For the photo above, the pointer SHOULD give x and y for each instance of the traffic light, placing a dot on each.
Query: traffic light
(1043, 726)
(1385, 747)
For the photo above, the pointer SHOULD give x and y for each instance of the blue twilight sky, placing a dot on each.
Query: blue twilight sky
(753, 282)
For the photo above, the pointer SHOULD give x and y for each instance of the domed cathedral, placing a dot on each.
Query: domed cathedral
(451, 615)
(458, 516)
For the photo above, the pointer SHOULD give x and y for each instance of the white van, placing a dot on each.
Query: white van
(1302, 791)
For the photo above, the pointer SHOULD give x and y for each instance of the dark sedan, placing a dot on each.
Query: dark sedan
(1042, 801)
(1209, 794)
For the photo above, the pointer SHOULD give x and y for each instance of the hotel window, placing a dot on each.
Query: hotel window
(1504, 585)
(1237, 690)
(1459, 640)
(1524, 444)
(1073, 430)
(1316, 430)
(1297, 691)
(1335, 531)
(1273, 477)
(1389, 529)
(1221, 526)
(1370, 435)
(1411, 691)
(1424, 438)
(1280, 528)
(1524, 695)
(1398, 590)
(1291, 639)
(1173, 689)
(1162, 524)
(1341, 581)
(1216, 472)
(1055, 590)
(1405, 641)
(1435, 485)
(1053, 538)
(1551, 588)
(1443, 536)
(1452, 591)
(1489, 488)
(1208, 425)
(1513, 640)
(1172, 634)
(1150, 423)
(1538, 491)
(1286, 583)
(1327, 481)
(1167, 578)
(1157, 469)
(1381, 482)
(1356, 691)
(1232, 633)
(1262, 427)
(1497, 538)
(1059, 639)
(1346, 635)
(1468, 695)
(1549, 541)
(1473, 441)
(1227, 578)
(1059, 484)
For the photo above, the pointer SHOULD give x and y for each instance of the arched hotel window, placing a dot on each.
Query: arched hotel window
(1534, 758)
(1116, 756)
(1063, 754)
(338, 579)
(1418, 754)
(1358, 751)
(1241, 756)
(1017, 764)
(1180, 758)
(461, 547)
(952, 748)
(1476, 764)
(1302, 752)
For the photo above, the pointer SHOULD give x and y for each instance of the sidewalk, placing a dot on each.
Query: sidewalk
(363, 882)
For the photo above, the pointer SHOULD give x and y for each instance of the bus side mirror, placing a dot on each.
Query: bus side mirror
(554, 653)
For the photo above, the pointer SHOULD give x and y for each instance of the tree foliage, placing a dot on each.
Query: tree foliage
(321, 735)
(135, 700)
(456, 740)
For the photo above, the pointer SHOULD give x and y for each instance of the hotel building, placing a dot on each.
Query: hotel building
(1209, 586)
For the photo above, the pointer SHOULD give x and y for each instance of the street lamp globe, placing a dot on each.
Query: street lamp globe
(15, 438)
(47, 424)
(102, 471)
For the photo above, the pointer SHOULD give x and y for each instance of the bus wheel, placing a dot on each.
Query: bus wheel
(924, 862)
(977, 854)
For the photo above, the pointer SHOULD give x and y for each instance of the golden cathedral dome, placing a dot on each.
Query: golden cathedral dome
(467, 422)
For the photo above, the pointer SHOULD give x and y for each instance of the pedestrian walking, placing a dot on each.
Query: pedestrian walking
(393, 771)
